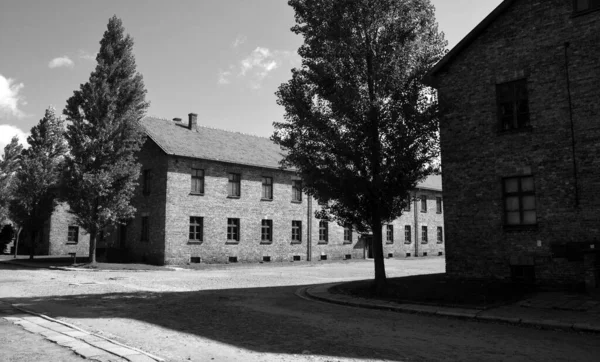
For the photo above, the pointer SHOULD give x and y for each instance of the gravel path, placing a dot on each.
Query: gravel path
(250, 313)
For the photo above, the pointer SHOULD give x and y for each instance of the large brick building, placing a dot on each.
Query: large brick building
(520, 141)
(208, 195)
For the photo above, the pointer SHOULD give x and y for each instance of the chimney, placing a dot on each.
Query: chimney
(193, 121)
(177, 120)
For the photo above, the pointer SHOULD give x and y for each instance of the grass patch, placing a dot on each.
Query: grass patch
(439, 289)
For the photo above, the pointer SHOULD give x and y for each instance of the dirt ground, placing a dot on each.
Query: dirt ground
(250, 313)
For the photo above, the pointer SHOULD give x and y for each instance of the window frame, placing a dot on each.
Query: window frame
(407, 234)
(296, 231)
(348, 234)
(267, 185)
(513, 100)
(424, 234)
(194, 223)
(200, 179)
(438, 205)
(147, 177)
(233, 230)
(266, 231)
(234, 179)
(145, 230)
(297, 191)
(423, 199)
(389, 234)
(520, 194)
(323, 232)
(74, 228)
(440, 235)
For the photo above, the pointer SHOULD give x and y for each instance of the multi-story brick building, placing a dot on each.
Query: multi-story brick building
(520, 140)
(209, 195)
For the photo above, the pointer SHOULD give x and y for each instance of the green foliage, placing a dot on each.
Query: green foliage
(360, 126)
(37, 179)
(9, 164)
(104, 136)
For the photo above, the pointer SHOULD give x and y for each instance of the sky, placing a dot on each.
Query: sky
(221, 59)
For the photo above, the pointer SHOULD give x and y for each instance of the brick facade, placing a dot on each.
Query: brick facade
(522, 39)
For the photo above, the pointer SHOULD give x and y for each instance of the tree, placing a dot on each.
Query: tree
(36, 181)
(6, 236)
(8, 166)
(104, 137)
(360, 126)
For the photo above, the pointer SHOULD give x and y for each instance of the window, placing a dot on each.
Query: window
(296, 230)
(585, 5)
(196, 228)
(297, 190)
(423, 203)
(440, 235)
(266, 234)
(323, 231)
(438, 205)
(424, 236)
(146, 181)
(407, 234)
(513, 105)
(73, 235)
(267, 188)
(197, 181)
(348, 234)
(519, 201)
(233, 229)
(145, 229)
(233, 187)
(389, 234)
(408, 202)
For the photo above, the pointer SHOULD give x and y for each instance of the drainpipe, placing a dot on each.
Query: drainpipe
(309, 229)
(416, 225)
(572, 126)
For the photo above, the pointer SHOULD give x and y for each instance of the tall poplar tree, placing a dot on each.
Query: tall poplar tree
(9, 164)
(104, 136)
(360, 126)
(34, 195)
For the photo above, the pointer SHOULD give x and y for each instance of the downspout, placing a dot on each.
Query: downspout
(572, 125)
(416, 226)
(309, 229)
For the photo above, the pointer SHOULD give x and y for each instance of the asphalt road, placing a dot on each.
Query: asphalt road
(250, 313)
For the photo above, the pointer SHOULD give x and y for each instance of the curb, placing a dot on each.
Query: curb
(321, 293)
(68, 268)
(75, 328)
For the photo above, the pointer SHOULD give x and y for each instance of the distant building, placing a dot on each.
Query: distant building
(520, 141)
(209, 195)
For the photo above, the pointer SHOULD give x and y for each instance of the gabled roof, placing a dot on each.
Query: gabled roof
(432, 182)
(467, 40)
(175, 139)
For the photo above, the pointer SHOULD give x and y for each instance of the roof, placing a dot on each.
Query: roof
(467, 40)
(433, 182)
(175, 139)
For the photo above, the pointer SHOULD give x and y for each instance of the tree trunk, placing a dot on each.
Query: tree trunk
(17, 241)
(380, 278)
(92, 259)
(32, 251)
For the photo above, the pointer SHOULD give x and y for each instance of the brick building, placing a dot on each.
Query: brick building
(208, 195)
(520, 140)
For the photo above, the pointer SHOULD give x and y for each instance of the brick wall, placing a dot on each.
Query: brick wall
(57, 234)
(526, 41)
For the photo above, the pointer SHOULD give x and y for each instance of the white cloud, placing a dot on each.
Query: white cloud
(239, 40)
(7, 132)
(63, 61)
(10, 99)
(85, 55)
(224, 77)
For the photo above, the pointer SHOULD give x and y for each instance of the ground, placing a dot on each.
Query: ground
(250, 313)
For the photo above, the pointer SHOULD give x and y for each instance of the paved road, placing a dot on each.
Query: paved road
(252, 314)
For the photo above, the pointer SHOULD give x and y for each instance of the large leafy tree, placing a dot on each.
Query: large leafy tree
(9, 164)
(104, 136)
(37, 180)
(360, 126)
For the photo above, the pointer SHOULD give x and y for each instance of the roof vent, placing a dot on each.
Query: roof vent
(177, 120)
(193, 125)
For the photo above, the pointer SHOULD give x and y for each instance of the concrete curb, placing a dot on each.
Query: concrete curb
(105, 344)
(68, 268)
(321, 293)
